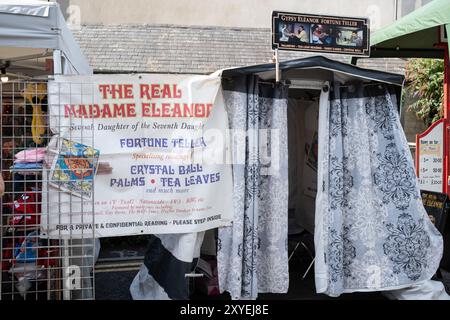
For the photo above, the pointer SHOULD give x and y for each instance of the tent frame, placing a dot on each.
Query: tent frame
(39, 26)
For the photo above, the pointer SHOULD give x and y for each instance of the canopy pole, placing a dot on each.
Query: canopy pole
(446, 122)
(277, 67)
(57, 62)
(447, 29)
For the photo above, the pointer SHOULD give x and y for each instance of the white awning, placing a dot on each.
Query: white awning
(25, 7)
(29, 25)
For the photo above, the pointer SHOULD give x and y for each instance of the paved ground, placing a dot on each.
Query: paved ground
(115, 285)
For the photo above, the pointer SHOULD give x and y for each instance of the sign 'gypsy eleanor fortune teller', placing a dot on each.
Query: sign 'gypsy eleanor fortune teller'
(147, 150)
(317, 33)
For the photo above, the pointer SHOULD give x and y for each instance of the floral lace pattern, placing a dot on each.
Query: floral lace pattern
(381, 112)
(338, 119)
(341, 183)
(252, 256)
(341, 253)
(374, 231)
(407, 246)
(395, 177)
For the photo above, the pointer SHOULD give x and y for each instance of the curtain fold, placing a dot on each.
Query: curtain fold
(372, 231)
(252, 253)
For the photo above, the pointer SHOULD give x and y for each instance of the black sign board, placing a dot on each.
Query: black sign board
(317, 33)
(436, 205)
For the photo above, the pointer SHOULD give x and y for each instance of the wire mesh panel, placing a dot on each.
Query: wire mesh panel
(48, 174)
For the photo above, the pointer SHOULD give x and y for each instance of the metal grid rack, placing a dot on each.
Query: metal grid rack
(35, 265)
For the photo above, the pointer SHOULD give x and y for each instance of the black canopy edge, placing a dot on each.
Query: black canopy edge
(435, 53)
(321, 63)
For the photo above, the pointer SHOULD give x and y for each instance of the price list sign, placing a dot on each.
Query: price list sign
(429, 157)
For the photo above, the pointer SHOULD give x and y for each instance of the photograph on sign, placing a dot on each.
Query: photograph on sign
(301, 32)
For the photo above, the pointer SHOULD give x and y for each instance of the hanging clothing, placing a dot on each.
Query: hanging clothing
(32, 155)
(372, 232)
(35, 94)
(252, 253)
(23, 167)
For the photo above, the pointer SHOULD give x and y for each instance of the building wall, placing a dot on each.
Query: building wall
(405, 7)
(229, 13)
(411, 124)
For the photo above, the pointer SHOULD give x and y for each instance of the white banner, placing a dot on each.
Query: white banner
(147, 152)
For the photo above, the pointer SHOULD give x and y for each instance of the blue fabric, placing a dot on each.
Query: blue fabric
(26, 166)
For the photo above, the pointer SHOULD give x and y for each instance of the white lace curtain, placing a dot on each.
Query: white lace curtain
(252, 253)
(372, 232)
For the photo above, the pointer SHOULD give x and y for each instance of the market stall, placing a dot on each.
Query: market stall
(35, 44)
(317, 139)
(339, 127)
(351, 104)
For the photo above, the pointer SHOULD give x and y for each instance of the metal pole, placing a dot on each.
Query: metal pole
(395, 10)
(446, 122)
(66, 263)
(277, 67)
(57, 62)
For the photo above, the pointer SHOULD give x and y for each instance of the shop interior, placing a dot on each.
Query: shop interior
(24, 135)
(303, 114)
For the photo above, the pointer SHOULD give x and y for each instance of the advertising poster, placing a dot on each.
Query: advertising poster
(146, 152)
(305, 32)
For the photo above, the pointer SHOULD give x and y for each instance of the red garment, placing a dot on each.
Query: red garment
(27, 209)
